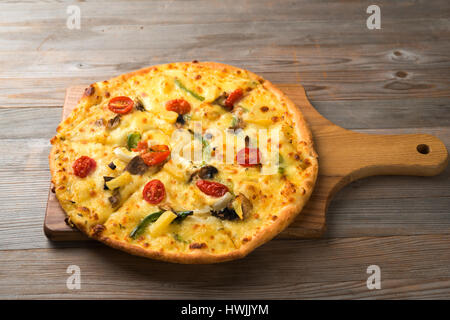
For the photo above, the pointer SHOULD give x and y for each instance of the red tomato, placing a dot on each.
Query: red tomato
(180, 106)
(83, 166)
(234, 97)
(156, 155)
(212, 188)
(248, 157)
(154, 192)
(159, 148)
(121, 105)
(141, 146)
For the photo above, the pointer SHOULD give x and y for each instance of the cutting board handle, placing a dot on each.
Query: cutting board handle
(366, 155)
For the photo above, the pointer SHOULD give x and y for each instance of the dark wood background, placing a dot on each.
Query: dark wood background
(393, 80)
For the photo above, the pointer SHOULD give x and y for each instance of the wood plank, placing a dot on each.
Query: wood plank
(357, 86)
(333, 55)
(310, 269)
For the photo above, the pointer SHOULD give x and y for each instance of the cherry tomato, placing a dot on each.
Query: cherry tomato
(212, 188)
(156, 155)
(141, 146)
(159, 148)
(83, 166)
(180, 106)
(248, 157)
(121, 104)
(154, 191)
(234, 97)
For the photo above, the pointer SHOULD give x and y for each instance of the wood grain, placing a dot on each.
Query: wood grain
(309, 270)
(389, 81)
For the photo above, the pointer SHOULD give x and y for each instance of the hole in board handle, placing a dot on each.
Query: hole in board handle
(423, 148)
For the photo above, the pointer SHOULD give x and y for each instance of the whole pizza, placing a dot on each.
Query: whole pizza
(193, 162)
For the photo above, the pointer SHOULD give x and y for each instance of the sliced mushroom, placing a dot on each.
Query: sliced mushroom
(139, 105)
(242, 206)
(115, 198)
(113, 123)
(136, 166)
(206, 172)
(225, 214)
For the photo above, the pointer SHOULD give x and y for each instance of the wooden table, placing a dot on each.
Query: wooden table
(393, 80)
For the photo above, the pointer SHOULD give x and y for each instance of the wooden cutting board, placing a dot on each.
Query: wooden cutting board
(344, 156)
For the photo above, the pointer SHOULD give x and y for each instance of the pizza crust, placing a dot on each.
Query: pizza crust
(286, 215)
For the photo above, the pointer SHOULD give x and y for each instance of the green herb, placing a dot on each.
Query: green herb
(181, 215)
(133, 139)
(234, 121)
(177, 237)
(192, 93)
(281, 164)
(140, 228)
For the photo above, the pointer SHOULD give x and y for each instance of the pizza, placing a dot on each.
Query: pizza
(192, 162)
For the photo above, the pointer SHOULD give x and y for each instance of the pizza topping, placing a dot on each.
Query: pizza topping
(180, 120)
(181, 215)
(139, 105)
(140, 228)
(114, 200)
(212, 188)
(112, 166)
(154, 192)
(133, 139)
(120, 181)
(242, 206)
(179, 106)
(83, 166)
(141, 146)
(220, 100)
(162, 223)
(136, 166)
(207, 172)
(222, 202)
(123, 154)
(121, 105)
(234, 97)
(225, 214)
(180, 85)
(106, 179)
(156, 155)
(249, 157)
(113, 122)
